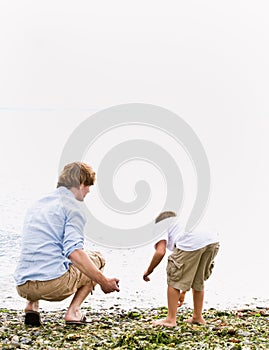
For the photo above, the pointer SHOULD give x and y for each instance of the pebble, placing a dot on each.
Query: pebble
(243, 333)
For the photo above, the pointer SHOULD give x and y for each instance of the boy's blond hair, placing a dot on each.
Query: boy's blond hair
(165, 215)
(76, 173)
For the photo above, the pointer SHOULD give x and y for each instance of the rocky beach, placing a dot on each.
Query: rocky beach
(115, 328)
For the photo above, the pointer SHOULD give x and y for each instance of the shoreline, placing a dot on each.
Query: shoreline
(99, 301)
(116, 328)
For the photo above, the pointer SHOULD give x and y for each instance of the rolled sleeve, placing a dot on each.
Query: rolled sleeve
(73, 235)
(72, 248)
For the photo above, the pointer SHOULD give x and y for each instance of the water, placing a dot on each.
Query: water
(225, 289)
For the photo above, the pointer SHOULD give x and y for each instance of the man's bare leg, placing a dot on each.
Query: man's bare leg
(73, 313)
(32, 306)
(170, 320)
(198, 300)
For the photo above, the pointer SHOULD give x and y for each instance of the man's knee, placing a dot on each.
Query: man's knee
(97, 258)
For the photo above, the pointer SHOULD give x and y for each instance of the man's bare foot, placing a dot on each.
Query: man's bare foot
(193, 320)
(164, 322)
(73, 315)
(32, 306)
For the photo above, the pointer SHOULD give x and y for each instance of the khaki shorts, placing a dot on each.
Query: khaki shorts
(187, 270)
(62, 287)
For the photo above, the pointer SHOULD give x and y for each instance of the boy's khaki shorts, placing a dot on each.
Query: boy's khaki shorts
(62, 287)
(187, 269)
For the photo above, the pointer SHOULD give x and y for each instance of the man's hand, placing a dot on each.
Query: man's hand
(82, 261)
(110, 285)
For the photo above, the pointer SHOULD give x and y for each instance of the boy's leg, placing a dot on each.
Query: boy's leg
(181, 269)
(170, 320)
(198, 300)
(204, 271)
(172, 297)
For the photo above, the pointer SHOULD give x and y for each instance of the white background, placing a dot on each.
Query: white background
(206, 61)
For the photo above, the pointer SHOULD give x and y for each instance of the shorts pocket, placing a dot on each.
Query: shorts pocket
(208, 272)
(174, 269)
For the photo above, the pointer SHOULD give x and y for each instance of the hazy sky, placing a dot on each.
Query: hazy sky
(207, 61)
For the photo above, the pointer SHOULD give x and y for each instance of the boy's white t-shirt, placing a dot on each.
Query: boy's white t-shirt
(173, 233)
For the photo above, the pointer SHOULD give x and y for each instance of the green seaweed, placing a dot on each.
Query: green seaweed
(119, 329)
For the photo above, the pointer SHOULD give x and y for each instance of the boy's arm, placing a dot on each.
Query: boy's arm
(156, 259)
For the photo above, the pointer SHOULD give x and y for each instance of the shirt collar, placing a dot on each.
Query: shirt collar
(66, 191)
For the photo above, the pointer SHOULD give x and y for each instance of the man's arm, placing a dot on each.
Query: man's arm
(82, 261)
(156, 259)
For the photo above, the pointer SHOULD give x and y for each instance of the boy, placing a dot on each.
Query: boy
(189, 265)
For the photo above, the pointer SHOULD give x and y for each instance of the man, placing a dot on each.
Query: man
(53, 264)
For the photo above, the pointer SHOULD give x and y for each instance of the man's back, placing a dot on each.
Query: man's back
(52, 226)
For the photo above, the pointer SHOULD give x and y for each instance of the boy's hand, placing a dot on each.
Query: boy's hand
(181, 298)
(156, 259)
(145, 276)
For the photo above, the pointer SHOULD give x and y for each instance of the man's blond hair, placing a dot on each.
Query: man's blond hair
(76, 173)
(165, 215)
